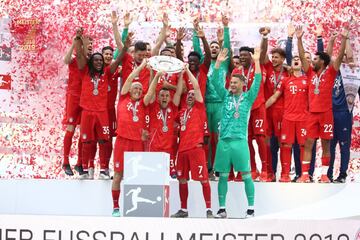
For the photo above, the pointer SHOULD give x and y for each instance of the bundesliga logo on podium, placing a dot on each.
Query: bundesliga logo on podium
(146, 184)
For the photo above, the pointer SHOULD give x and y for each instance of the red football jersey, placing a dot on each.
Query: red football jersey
(94, 98)
(113, 89)
(162, 135)
(295, 92)
(75, 76)
(130, 118)
(260, 99)
(128, 65)
(201, 76)
(273, 79)
(191, 126)
(320, 99)
(172, 79)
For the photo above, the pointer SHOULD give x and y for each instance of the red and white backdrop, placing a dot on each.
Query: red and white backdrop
(34, 36)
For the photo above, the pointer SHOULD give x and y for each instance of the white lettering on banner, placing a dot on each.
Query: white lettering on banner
(16, 227)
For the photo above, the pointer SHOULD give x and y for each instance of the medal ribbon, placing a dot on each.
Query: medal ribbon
(317, 79)
(134, 107)
(164, 117)
(186, 116)
(237, 103)
(277, 80)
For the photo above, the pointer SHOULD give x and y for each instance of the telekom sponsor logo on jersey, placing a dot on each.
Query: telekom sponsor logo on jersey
(293, 89)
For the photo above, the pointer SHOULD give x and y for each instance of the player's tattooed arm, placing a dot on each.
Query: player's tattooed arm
(299, 34)
(344, 38)
(116, 63)
(264, 31)
(80, 57)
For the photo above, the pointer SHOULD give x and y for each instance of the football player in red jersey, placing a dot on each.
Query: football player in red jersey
(72, 107)
(94, 126)
(275, 74)
(132, 108)
(163, 128)
(191, 155)
(294, 90)
(321, 78)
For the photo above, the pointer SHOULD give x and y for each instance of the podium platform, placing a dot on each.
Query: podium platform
(272, 200)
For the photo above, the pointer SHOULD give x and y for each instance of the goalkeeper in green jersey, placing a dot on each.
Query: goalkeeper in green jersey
(233, 149)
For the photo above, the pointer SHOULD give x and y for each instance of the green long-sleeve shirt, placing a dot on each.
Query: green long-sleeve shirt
(211, 95)
(231, 127)
(123, 38)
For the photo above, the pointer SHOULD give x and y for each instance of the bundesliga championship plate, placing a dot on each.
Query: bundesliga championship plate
(166, 63)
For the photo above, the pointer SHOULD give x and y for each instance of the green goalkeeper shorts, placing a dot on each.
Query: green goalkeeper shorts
(232, 152)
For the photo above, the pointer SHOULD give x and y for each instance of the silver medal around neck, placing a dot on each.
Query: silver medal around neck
(236, 115)
(165, 129)
(183, 128)
(316, 91)
(135, 118)
(95, 92)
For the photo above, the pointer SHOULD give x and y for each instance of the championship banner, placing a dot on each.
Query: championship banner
(351, 81)
(92, 228)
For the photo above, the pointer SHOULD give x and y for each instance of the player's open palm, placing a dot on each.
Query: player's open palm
(223, 55)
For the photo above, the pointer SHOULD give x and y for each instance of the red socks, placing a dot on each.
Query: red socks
(285, 158)
(115, 197)
(184, 192)
(207, 193)
(67, 146)
(260, 140)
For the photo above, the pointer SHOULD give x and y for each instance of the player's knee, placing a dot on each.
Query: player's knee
(309, 143)
(246, 175)
(204, 182)
(117, 178)
(70, 128)
(182, 181)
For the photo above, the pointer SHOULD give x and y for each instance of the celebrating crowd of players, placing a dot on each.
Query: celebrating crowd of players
(207, 116)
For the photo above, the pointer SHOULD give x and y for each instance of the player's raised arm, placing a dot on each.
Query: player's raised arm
(264, 31)
(207, 58)
(180, 35)
(115, 64)
(162, 36)
(299, 34)
(179, 89)
(194, 82)
(150, 95)
(345, 36)
(79, 46)
(220, 89)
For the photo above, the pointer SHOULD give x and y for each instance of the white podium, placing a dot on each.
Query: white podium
(146, 184)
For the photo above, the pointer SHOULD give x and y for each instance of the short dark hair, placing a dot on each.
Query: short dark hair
(165, 50)
(164, 89)
(324, 56)
(212, 42)
(107, 48)
(196, 54)
(279, 51)
(246, 48)
(236, 56)
(239, 76)
(140, 46)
